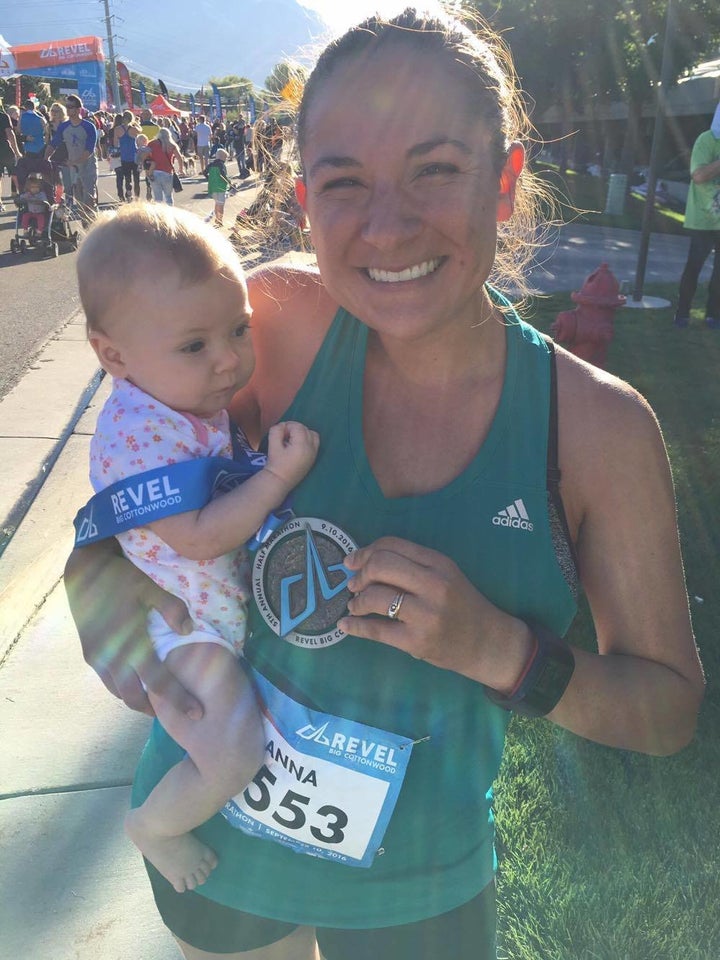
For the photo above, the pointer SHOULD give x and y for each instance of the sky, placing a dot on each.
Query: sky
(147, 48)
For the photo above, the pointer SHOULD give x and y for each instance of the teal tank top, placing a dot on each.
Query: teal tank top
(494, 521)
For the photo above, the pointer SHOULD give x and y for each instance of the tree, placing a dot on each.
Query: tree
(599, 50)
(239, 88)
(284, 74)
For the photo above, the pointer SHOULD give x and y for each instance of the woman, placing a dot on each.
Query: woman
(61, 171)
(163, 155)
(127, 174)
(433, 402)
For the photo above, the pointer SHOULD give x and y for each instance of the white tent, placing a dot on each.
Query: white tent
(7, 60)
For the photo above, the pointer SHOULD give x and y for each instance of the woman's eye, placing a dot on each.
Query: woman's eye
(340, 183)
(432, 169)
(195, 347)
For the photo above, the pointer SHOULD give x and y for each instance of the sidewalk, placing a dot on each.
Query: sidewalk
(73, 888)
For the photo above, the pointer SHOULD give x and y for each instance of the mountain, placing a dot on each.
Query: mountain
(184, 43)
(246, 38)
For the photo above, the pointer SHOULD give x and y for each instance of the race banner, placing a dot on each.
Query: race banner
(143, 93)
(80, 59)
(124, 76)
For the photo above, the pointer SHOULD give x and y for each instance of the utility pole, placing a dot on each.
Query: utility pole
(111, 51)
(666, 72)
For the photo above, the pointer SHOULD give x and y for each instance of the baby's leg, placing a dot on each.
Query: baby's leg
(225, 750)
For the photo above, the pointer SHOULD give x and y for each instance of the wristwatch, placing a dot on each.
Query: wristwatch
(544, 679)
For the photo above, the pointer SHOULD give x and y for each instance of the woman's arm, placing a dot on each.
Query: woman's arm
(110, 600)
(643, 689)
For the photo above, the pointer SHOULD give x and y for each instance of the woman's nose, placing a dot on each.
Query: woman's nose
(390, 220)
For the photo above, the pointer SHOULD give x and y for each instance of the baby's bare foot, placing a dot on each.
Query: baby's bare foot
(184, 861)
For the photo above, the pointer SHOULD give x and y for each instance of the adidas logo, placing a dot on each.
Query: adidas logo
(514, 515)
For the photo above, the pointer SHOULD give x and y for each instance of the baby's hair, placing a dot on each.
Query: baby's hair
(148, 240)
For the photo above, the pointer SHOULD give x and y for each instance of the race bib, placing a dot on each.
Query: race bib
(328, 786)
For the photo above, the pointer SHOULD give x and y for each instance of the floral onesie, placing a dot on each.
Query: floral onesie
(136, 433)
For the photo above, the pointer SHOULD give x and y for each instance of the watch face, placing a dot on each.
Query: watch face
(300, 581)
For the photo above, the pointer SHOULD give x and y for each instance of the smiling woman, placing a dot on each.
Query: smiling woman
(442, 416)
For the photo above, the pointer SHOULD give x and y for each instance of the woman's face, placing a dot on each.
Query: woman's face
(401, 193)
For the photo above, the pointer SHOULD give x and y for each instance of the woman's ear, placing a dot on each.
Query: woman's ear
(108, 354)
(508, 181)
(301, 193)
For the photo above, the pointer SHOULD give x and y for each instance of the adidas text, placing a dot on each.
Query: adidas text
(512, 522)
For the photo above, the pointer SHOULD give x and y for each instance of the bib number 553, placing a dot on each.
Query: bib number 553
(291, 813)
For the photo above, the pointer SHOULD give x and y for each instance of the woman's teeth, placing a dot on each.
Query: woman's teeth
(412, 273)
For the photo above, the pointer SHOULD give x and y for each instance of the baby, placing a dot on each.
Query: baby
(36, 201)
(176, 364)
(143, 160)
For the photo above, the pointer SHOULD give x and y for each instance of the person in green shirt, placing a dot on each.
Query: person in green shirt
(218, 184)
(702, 221)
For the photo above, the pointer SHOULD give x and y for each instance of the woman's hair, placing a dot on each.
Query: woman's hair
(165, 138)
(483, 63)
(60, 109)
(148, 241)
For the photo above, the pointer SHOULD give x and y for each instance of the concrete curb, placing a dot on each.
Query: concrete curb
(39, 499)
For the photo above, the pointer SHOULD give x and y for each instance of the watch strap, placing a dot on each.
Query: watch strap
(544, 678)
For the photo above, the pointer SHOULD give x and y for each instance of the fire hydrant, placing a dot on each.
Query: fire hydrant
(588, 329)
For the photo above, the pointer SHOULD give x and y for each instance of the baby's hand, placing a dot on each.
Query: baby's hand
(292, 449)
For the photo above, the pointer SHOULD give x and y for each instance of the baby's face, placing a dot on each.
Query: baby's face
(192, 349)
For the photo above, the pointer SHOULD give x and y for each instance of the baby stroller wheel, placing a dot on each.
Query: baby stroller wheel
(23, 247)
(14, 246)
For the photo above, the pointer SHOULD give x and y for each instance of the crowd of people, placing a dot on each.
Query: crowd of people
(72, 140)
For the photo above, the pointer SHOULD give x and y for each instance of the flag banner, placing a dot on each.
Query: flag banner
(124, 76)
(143, 93)
(163, 88)
(218, 103)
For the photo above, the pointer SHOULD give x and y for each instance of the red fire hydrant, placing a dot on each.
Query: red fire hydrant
(588, 329)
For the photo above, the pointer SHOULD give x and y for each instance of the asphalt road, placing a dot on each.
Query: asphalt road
(38, 296)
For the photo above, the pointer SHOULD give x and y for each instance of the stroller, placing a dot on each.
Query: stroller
(47, 224)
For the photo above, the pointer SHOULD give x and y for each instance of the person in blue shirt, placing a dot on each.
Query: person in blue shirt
(32, 129)
(80, 138)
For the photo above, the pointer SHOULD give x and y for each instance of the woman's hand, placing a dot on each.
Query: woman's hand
(441, 617)
(110, 599)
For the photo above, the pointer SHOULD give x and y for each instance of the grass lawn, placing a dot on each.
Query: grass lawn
(582, 199)
(606, 854)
